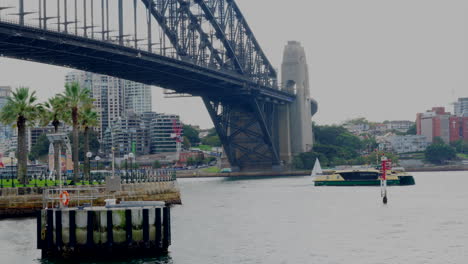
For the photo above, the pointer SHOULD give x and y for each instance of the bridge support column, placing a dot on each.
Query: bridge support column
(284, 134)
(245, 129)
(295, 77)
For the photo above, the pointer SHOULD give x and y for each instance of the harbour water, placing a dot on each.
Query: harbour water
(288, 220)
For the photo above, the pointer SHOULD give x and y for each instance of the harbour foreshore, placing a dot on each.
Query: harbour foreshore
(241, 174)
(27, 201)
(300, 172)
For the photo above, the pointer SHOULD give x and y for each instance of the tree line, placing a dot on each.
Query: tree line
(335, 145)
(73, 107)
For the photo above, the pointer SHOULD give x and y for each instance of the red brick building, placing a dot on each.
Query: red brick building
(438, 123)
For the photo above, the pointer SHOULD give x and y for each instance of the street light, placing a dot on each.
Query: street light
(12, 156)
(89, 154)
(131, 156)
(97, 158)
(126, 167)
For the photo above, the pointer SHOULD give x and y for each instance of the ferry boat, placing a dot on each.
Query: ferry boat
(363, 177)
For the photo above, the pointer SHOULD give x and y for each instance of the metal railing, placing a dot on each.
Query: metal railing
(45, 178)
(78, 196)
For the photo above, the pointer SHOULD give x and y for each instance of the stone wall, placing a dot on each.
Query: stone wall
(26, 201)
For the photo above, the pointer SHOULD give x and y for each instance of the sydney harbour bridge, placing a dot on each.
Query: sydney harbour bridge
(199, 47)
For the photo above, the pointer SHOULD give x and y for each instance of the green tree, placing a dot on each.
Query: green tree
(156, 164)
(460, 146)
(22, 110)
(334, 145)
(440, 153)
(297, 163)
(212, 132)
(438, 141)
(357, 121)
(412, 130)
(190, 161)
(93, 143)
(88, 119)
(192, 134)
(54, 112)
(39, 149)
(306, 161)
(369, 143)
(213, 141)
(75, 98)
(186, 143)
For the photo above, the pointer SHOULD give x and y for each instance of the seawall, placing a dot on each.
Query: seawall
(26, 201)
(242, 174)
(437, 168)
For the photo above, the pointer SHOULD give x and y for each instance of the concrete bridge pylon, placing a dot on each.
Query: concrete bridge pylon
(295, 119)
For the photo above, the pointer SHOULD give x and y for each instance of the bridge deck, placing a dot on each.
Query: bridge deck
(44, 46)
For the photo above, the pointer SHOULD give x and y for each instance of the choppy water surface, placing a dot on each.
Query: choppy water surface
(288, 220)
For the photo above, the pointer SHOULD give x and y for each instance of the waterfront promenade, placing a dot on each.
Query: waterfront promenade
(23, 200)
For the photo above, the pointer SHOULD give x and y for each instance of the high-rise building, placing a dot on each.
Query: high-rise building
(461, 106)
(137, 97)
(113, 96)
(6, 131)
(161, 133)
(127, 135)
(141, 134)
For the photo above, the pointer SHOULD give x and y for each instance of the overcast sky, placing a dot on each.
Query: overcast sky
(379, 59)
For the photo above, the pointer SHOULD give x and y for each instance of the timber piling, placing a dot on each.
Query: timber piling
(141, 229)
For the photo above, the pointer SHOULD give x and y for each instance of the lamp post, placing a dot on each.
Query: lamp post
(97, 158)
(12, 156)
(131, 156)
(126, 167)
(89, 154)
(1, 184)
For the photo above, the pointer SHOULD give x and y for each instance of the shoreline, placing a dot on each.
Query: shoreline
(300, 173)
(437, 168)
(243, 174)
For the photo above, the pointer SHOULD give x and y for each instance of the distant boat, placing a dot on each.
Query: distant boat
(317, 170)
(363, 177)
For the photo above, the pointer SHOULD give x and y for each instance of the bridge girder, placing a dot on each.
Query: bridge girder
(233, 47)
(216, 57)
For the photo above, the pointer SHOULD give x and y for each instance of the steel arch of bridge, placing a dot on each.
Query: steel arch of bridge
(205, 48)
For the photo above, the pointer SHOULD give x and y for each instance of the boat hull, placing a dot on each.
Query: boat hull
(403, 180)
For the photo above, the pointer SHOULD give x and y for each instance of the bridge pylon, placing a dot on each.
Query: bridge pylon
(295, 129)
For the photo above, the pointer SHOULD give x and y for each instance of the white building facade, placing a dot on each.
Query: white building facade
(113, 96)
(408, 143)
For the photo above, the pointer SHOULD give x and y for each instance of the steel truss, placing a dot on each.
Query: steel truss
(245, 129)
(211, 52)
(213, 33)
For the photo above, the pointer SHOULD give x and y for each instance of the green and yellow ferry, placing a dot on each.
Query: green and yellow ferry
(363, 177)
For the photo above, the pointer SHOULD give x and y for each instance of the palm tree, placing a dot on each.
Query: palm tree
(75, 98)
(54, 112)
(21, 108)
(88, 119)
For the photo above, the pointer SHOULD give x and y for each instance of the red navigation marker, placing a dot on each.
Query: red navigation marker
(386, 165)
